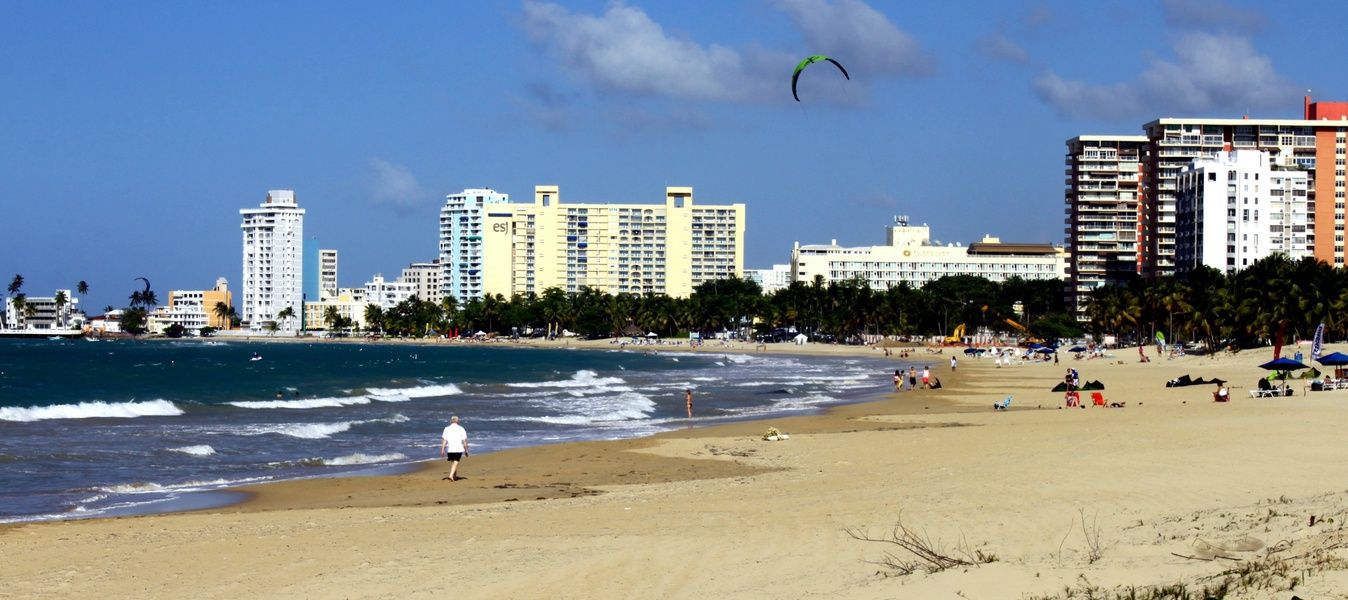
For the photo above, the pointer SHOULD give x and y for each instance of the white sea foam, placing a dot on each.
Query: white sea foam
(316, 431)
(302, 403)
(198, 450)
(581, 379)
(627, 406)
(362, 459)
(187, 486)
(91, 410)
(425, 391)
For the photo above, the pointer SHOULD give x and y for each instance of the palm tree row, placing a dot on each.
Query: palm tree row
(839, 309)
(1250, 307)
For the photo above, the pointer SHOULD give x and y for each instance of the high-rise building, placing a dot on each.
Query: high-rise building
(273, 262)
(910, 257)
(426, 279)
(327, 274)
(1316, 144)
(1237, 208)
(461, 230)
(1103, 202)
(489, 245)
(667, 248)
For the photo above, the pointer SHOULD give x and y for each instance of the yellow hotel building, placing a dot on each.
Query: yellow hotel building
(521, 248)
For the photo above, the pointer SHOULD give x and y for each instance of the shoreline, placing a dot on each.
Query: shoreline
(717, 512)
(423, 485)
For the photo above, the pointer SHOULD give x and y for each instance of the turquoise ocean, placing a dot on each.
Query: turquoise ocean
(96, 428)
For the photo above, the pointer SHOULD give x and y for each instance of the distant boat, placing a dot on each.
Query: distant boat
(256, 356)
(55, 337)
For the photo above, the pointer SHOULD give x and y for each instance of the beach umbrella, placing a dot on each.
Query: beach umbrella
(1045, 351)
(652, 334)
(1077, 349)
(1282, 366)
(1334, 359)
(971, 351)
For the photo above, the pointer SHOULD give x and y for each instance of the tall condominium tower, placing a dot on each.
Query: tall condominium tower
(461, 246)
(273, 262)
(327, 274)
(666, 248)
(1237, 208)
(1104, 189)
(1314, 144)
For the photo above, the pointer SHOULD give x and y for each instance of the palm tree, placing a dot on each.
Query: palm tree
(374, 317)
(331, 317)
(20, 302)
(60, 305)
(271, 327)
(286, 314)
(16, 285)
(82, 288)
(223, 312)
(136, 299)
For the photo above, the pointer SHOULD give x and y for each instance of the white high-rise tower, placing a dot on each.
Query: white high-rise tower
(273, 262)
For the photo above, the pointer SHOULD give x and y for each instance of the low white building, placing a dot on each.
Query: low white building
(43, 313)
(1238, 207)
(771, 280)
(426, 280)
(909, 256)
(349, 302)
(387, 294)
(192, 309)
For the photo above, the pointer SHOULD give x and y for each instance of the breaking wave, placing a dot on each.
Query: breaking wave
(91, 410)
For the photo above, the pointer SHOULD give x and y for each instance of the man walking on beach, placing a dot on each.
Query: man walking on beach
(454, 446)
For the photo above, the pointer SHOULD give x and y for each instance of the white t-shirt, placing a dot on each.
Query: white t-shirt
(455, 436)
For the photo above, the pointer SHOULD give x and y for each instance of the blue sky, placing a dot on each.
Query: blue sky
(132, 133)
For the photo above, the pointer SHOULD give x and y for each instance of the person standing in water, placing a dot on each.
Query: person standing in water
(688, 400)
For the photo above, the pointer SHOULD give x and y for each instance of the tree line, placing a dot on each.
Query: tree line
(835, 310)
(1245, 309)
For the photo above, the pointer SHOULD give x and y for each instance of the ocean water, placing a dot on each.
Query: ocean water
(125, 427)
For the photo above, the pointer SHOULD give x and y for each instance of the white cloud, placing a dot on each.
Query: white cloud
(623, 51)
(858, 36)
(999, 47)
(394, 185)
(1217, 15)
(1209, 72)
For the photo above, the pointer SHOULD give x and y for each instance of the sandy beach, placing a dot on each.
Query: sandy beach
(1171, 488)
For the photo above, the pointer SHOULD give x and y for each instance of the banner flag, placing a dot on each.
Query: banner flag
(1318, 344)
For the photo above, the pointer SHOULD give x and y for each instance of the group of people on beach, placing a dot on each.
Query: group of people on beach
(909, 382)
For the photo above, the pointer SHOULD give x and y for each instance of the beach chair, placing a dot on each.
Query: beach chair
(1097, 398)
(1003, 404)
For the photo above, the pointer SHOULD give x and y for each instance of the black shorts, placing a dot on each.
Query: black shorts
(454, 456)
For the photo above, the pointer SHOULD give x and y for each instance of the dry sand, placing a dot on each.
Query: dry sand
(717, 512)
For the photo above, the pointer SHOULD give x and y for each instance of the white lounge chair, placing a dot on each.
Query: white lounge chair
(1004, 404)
